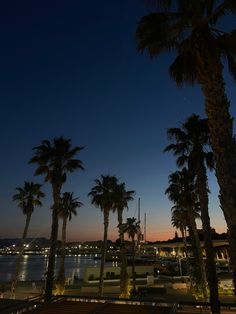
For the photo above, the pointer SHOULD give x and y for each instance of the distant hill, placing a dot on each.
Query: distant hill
(215, 236)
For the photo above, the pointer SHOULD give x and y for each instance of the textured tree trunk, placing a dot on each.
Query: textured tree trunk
(198, 254)
(210, 252)
(61, 273)
(19, 258)
(222, 138)
(183, 233)
(123, 261)
(104, 251)
(53, 244)
(133, 264)
(184, 241)
(120, 221)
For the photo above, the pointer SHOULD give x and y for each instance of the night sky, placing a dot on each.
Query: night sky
(71, 68)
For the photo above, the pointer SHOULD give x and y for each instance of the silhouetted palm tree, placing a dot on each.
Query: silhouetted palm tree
(132, 228)
(122, 199)
(181, 191)
(68, 208)
(179, 220)
(103, 195)
(191, 29)
(27, 198)
(191, 147)
(54, 160)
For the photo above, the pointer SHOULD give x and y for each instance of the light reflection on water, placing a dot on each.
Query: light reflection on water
(33, 267)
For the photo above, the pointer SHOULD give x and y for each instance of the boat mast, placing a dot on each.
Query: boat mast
(139, 221)
(139, 209)
(145, 228)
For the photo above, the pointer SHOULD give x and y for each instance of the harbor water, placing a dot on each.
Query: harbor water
(33, 267)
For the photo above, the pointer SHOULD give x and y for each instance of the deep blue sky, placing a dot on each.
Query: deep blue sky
(71, 68)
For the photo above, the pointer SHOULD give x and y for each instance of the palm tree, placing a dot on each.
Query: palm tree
(27, 198)
(54, 160)
(191, 147)
(181, 191)
(122, 199)
(67, 210)
(103, 195)
(179, 220)
(191, 30)
(132, 228)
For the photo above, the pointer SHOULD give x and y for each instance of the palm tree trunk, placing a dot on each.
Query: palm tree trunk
(133, 264)
(19, 258)
(124, 278)
(222, 139)
(183, 233)
(198, 254)
(53, 244)
(123, 261)
(120, 221)
(104, 251)
(185, 247)
(61, 272)
(210, 252)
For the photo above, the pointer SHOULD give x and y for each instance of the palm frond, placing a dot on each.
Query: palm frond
(159, 5)
(209, 6)
(169, 148)
(176, 133)
(210, 161)
(41, 170)
(182, 160)
(159, 32)
(73, 164)
(231, 60)
(227, 44)
(183, 69)
(219, 11)
(75, 150)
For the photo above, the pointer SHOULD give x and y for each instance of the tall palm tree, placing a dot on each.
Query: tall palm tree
(28, 197)
(191, 147)
(191, 29)
(103, 195)
(122, 199)
(132, 228)
(181, 191)
(68, 207)
(54, 160)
